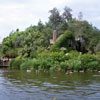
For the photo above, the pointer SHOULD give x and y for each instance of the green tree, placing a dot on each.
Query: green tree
(67, 14)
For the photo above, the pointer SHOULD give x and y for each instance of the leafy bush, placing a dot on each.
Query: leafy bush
(89, 62)
(64, 66)
(74, 60)
(11, 63)
(73, 54)
(47, 60)
(62, 42)
(27, 64)
(15, 63)
(58, 61)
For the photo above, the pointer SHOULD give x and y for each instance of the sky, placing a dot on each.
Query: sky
(23, 13)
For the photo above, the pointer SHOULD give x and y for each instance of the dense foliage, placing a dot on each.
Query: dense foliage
(58, 61)
(63, 41)
(30, 48)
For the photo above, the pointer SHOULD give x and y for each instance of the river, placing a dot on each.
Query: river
(20, 85)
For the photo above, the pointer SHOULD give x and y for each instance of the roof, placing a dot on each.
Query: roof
(51, 41)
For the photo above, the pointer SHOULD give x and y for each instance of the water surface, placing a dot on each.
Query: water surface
(20, 85)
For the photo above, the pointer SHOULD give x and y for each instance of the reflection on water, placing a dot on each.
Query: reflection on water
(20, 85)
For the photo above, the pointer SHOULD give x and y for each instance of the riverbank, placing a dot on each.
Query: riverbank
(58, 61)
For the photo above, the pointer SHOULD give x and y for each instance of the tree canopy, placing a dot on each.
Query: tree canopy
(35, 38)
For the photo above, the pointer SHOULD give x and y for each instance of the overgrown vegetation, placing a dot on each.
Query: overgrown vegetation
(63, 41)
(58, 61)
(30, 47)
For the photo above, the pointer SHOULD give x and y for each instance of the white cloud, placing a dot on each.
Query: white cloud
(58, 2)
(11, 6)
(22, 13)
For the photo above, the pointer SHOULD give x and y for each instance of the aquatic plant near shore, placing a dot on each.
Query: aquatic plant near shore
(58, 61)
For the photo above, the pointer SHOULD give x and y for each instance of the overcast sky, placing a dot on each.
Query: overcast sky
(23, 13)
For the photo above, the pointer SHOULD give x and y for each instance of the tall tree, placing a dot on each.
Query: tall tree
(55, 17)
(80, 16)
(67, 13)
(40, 26)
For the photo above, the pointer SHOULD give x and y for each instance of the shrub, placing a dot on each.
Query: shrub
(27, 64)
(62, 42)
(15, 63)
(64, 66)
(50, 61)
(36, 64)
(11, 63)
(75, 64)
(58, 61)
(89, 61)
(73, 54)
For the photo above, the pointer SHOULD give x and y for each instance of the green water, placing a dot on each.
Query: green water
(20, 85)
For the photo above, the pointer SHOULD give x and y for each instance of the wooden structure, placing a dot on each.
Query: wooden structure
(4, 62)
